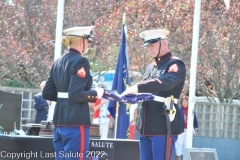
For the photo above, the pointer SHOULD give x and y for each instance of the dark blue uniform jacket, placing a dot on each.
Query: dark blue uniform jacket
(70, 74)
(167, 78)
(41, 107)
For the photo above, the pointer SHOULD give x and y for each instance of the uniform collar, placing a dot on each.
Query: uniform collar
(163, 58)
(71, 50)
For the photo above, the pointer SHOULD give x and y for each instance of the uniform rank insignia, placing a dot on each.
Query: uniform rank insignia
(173, 68)
(81, 72)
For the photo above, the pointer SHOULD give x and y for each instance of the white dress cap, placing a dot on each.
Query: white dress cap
(78, 31)
(153, 34)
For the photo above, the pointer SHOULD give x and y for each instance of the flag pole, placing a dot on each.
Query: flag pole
(124, 17)
(117, 106)
(58, 45)
(125, 30)
(116, 121)
(59, 27)
(193, 68)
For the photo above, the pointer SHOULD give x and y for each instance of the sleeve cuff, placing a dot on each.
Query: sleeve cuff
(92, 96)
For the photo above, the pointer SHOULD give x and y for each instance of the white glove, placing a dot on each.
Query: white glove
(130, 90)
(99, 91)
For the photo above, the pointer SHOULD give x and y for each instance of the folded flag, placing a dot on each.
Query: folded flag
(130, 98)
(140, 97)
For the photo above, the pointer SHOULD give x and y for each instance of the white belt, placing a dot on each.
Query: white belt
(62, 95)
(156, 98)
(161, 99)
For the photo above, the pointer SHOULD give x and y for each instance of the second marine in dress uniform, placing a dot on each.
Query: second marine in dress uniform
(166, 79)
(69, 84)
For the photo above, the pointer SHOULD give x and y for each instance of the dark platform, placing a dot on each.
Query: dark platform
(41, 148)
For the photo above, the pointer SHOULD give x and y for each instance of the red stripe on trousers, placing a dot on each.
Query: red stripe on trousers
(169, 147)
(82, 142)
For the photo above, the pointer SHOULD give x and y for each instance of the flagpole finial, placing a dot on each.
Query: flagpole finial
(124, 17)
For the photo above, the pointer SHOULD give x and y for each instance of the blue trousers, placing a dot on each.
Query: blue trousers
(71, 143)
(154, 147)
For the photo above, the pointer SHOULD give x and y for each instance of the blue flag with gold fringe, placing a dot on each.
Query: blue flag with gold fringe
(120, 83)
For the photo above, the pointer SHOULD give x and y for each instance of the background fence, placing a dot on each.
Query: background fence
(218, 120)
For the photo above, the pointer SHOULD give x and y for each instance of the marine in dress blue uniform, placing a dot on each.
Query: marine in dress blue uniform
(166, 79)
(69, 84)
(41, 106)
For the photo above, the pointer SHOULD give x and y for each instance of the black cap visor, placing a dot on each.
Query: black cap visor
(85, 36)
(90, 40)
(88, 37)
(151, 41)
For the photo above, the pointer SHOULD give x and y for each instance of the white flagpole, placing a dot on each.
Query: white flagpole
(59, 27)
(191, 103)
(193, 69)
(58, 45)
(227, 2)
